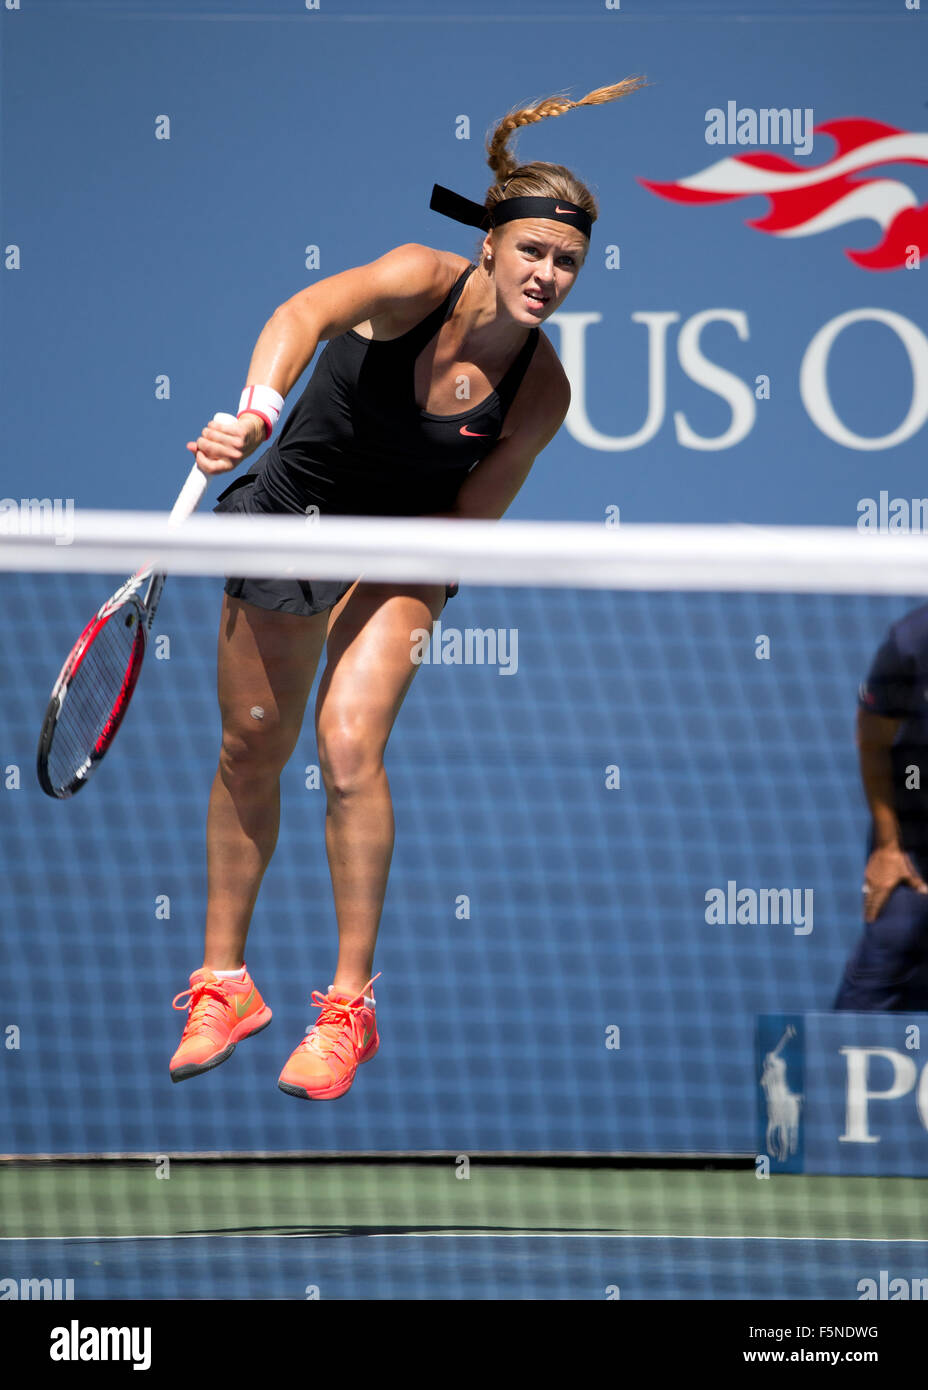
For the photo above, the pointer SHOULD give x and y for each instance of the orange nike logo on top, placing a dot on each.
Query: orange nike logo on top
(558, 208)
(240, 1008)
(473, 434)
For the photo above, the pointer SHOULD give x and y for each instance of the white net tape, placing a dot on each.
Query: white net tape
(798, 559)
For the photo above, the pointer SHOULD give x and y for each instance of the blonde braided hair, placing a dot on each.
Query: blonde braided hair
(539, 179)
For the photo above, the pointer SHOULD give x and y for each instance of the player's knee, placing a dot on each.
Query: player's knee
(254, 747)
(349, 759)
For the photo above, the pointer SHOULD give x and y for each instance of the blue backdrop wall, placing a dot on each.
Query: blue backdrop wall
(166, 173)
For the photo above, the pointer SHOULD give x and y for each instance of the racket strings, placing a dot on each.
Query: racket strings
(95, 694)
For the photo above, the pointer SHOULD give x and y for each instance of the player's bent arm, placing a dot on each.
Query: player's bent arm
(875, 736)
(333, 305)
(490, 488)
(293, 332)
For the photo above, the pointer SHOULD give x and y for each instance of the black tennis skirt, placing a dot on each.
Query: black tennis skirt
(304, 597)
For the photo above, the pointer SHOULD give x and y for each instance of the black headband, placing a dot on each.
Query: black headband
(476, 215)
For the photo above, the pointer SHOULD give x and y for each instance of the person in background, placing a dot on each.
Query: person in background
(888, 970)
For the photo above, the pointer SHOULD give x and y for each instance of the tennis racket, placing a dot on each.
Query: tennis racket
(92, 693)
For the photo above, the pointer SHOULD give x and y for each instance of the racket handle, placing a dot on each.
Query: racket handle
(191, 494)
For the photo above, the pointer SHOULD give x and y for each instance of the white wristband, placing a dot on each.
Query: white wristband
(263, 401)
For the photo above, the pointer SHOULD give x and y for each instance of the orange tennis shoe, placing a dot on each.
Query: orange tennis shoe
(219, 1014)
(343, 1036)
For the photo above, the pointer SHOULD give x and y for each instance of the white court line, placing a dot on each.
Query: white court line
(477, 1235)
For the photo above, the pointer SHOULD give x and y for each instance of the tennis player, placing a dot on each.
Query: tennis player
(888, 969)
(383, 428)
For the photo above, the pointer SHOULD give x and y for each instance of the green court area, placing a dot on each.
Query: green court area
(180, 1198)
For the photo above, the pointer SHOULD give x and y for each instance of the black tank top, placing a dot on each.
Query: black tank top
(356, 442)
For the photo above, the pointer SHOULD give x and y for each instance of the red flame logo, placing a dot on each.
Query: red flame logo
(806, 201)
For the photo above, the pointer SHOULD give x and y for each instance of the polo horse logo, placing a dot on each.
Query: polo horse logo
(783, 1105)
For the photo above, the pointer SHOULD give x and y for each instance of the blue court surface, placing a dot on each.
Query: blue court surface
(432, 1266)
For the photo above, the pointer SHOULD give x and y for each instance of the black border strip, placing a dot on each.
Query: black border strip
(727, 1162)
